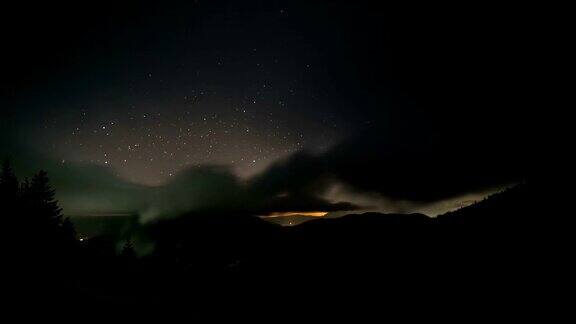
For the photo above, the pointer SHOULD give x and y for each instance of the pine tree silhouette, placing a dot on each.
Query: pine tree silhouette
(42, 202)
(8, 184)
(24, 190)
(9, 199)
(44, 218)
(40, 237)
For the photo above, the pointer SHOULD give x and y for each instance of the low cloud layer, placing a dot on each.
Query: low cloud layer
(215, 189)
(403, 170)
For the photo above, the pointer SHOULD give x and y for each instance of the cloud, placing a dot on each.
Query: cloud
(89, 190)
(206, 188)
(393, 169)
(404, 165)
(430, 172)
(216, 190)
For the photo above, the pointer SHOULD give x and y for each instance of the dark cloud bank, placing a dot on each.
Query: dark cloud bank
(418, 167)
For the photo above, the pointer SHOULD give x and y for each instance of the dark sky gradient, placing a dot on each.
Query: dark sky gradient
(409, 103)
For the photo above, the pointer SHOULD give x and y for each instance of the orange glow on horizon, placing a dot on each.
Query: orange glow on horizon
(286, 214)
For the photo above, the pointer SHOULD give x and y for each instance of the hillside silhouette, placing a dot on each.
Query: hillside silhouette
(492, 245)
(501, 247)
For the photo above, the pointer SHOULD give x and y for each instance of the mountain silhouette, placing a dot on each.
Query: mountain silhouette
(500, 248)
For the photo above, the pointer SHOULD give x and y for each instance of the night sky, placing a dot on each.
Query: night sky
(268, 107)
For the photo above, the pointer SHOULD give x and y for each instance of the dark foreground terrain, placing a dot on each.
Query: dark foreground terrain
(505, 253)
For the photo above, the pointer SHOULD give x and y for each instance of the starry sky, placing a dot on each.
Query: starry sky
(134, 95)
(206, 85)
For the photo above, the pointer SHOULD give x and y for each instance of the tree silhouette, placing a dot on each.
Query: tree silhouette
(68, 230)
(42, 202)
(24, 190)
(39, 236)
(36, 211)
(43, 193)
(128, 252)
(8, 183)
